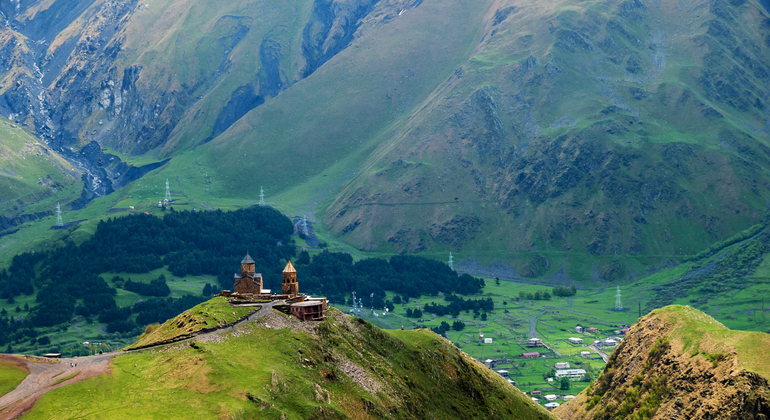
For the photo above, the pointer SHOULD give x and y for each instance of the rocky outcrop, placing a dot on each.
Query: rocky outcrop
(679, 363)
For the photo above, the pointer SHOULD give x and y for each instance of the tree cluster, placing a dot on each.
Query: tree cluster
(18, 278)
(157, 287)
(335, 275)
(69, 277)
(441, 329)
(564, 291)
(538, 295)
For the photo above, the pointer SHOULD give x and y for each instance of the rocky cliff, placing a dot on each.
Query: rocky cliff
(679, 363)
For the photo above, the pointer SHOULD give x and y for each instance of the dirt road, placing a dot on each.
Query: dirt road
(44, 374)
(43, 377)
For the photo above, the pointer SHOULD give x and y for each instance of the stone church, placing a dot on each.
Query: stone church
(248, 282)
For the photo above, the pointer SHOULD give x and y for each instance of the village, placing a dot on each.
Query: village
(533, 344)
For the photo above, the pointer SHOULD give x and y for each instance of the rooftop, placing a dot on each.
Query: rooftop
(289, 268)
(247, 259)
(562, 372)
(311, 303)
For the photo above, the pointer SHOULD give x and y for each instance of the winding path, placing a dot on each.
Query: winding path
(44, 374)
(532, 329)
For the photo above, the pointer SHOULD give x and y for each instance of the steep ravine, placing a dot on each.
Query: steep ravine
(679, 363)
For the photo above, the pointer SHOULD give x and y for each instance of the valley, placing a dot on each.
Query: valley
(495, 171)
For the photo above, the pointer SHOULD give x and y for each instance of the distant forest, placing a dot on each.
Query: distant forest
(68, 281)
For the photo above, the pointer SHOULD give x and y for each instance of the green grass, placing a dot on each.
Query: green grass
(276, 373)
(211, 314)
(11, 375)
(27, 165)
(708, 336)
(66, 378)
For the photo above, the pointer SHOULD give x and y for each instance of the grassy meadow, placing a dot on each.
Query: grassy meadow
(11, 375)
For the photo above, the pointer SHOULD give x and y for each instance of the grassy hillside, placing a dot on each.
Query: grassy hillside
(339, 368)
(548, 131)
(587, 136)
(11, 375)
(32, 176)
(679, 361)
(208, 315)
(702, 335)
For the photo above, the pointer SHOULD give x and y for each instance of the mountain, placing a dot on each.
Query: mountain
(678, 362)
(342, 367)
(591, 141)
(33, 177)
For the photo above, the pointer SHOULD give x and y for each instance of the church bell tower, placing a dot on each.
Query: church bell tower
(290, 286)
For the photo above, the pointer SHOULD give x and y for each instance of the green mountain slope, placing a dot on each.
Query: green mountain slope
(590, 140)
(678, 361)
(340, 368)
(601, 134)
(32, 177)
(607, 128)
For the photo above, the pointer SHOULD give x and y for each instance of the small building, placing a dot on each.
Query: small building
(534, 342)
(536, 393)
(535, 400)
(503, 373)
(575, 340)
(492, 364)
(623, 331)
(530, 355)
(551, 405)
(591, 330)
(549, 379)
(551, 397)
(487, 341)
(571, 374)
(52, 355)
(585, 353)
(308, 310)
(512, 382)
(609, 343)
(562, 365)
(568, 397)
(579, 329)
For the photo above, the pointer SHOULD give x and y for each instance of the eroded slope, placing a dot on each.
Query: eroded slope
(678, 362)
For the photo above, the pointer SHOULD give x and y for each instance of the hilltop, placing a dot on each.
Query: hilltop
(678, 362)
(279, 367)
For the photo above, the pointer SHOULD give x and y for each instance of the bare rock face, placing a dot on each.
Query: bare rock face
(673, 365)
